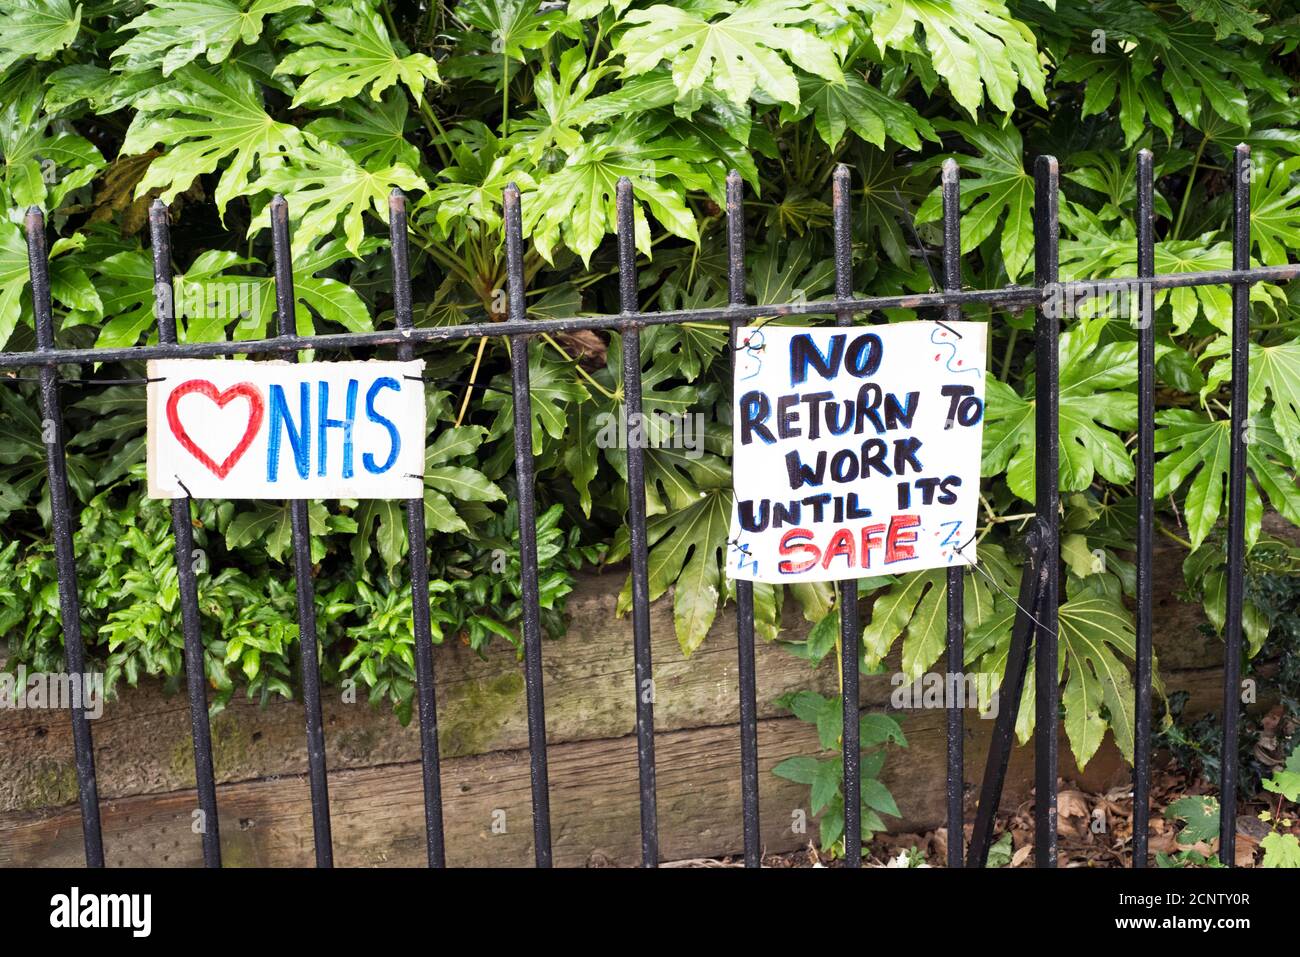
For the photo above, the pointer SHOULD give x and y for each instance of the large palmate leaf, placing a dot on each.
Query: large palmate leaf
(1275, 210)
(39, 28)
(1125, 74)
(1000, 196)
(575, 204)
(1093, 631)
(1195, 443)
(1095, 397)
(551, 386)
(374, 134)
(744, 49)
(977, 46)
(176, 32)
(323, 184)
(687, 547)
(69, 284)
(340, 58)
(915, 606)
(853, 104)
(202, 119)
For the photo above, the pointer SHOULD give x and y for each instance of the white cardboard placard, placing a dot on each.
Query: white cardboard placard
(221, 428)
(856, 450)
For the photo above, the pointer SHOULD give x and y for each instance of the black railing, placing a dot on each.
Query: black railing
(1035, 622)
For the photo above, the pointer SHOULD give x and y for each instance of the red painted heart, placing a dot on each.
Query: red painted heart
(206, 388)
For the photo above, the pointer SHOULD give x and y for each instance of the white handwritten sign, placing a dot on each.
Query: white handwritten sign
(232, 429)
(857, 450)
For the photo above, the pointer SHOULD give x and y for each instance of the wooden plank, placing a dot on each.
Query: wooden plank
(143, 740)
(377, 812)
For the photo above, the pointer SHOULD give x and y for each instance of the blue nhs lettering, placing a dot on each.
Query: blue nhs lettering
(300, 434)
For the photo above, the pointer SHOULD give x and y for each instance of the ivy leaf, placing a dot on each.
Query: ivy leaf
(977, 46)
(575, 204)
(39, 28)
(1002, 192)
(688, 547)
(322, 185)
(739, 52)
(852, 103)
(1195, 443)
(352, 51)
(176, 32)
(203, 118)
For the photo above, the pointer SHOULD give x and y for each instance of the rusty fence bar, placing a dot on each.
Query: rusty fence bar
(1034, 629)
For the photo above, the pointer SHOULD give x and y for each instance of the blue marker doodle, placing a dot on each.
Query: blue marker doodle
(743, 549)
(751, 350)
(953, 527)
(943, 335)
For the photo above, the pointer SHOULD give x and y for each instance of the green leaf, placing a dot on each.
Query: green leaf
(176, 32)
(551, 386)
(575, 204)
(977, 46)
(1286, 780)
(1280, 850)
(687, 547)
(322, 185)
(203, 119)
(1228, 17)
(1200, 814)
(1095, 397)
(743, 50)
(39, 28)
(917, 605)
(1001, 196)
(1195, 443)
(350, 52)
(1092, 632)
(853, 104)
(379, 521)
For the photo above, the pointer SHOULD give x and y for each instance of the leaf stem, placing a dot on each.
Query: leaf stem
(1187, 191)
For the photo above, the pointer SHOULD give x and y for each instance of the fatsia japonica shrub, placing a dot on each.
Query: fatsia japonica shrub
(215, 106)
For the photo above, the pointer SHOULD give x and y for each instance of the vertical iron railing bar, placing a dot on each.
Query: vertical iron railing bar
(1146, 362)
(1011, 690)
(305, 587)
(744, 589)
(196, 681)
(1047, 499)
(1240, 416)
(956, 627)
(38, 264)
(524, 472)
(635, 430)
(842, 217)
(426, 693)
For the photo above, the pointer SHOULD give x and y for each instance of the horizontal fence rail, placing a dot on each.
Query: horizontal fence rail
(1035, 626)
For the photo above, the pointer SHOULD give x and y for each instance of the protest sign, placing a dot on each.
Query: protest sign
(857, 450)
(231, 429)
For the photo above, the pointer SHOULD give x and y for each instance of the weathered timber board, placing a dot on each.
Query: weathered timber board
(142, 742)
(377, 812)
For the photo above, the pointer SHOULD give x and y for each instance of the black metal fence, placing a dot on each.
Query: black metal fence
(1035, 624)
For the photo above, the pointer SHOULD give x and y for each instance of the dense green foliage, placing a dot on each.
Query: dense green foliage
(215, 105)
